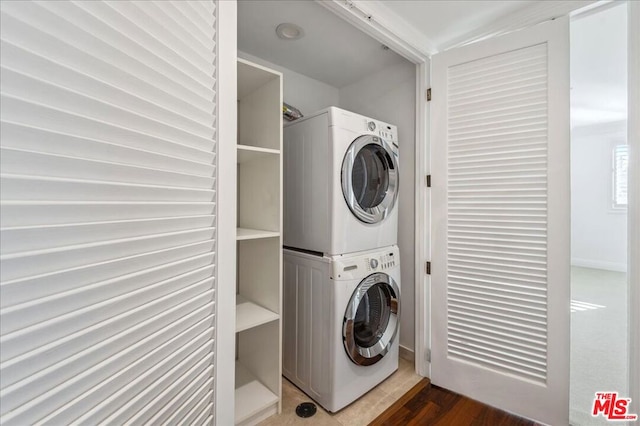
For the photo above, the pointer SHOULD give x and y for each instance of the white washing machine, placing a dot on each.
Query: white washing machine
(340, 183)
(340, 323)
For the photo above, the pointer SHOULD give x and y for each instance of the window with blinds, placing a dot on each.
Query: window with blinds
(108, 212)
(620, 172)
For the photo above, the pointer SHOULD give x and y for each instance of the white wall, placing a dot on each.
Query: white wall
(300, 91)
(389, 95)
(598, 233)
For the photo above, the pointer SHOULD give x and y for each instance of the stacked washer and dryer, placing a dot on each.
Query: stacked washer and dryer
(341, 261)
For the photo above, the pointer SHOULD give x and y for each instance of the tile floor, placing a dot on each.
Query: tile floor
(360, 413)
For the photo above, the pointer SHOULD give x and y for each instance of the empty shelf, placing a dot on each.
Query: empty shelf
(249, 315)
(252, 234)
(252, 397)
(249, 153)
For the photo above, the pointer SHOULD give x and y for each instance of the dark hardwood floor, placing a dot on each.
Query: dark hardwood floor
(426, 404)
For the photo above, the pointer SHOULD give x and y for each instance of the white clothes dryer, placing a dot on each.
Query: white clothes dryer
(340, 183)
(340, 323)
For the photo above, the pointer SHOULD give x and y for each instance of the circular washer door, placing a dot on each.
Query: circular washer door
(371, 319)
(370, 178)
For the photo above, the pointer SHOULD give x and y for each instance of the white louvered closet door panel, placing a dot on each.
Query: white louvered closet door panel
(500, 281)
(108, 161)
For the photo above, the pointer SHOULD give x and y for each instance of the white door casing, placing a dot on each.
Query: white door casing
(500, 224)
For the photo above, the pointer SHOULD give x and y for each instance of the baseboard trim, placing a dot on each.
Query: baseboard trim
(407, 354)
(599, 264)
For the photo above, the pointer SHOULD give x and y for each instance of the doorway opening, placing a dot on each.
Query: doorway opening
(599, 161)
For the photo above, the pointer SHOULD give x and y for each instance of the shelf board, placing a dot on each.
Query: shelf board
(249, 315)
(252, 397)
(248, 153)
(254, 234)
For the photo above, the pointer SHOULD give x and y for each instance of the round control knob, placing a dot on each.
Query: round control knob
(371, 125)
(373, 263)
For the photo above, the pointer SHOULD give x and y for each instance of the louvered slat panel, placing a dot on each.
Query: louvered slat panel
(30, 138)
(88, 298)
(29, 188)
(25, 213)
(39, 164)
(22, 290)
(29, 70)
(70, 390)
(39, 24)
(164, 354)
(108, 184)
(75, 104)
(497, 261)
(110, 349)
(23, 113)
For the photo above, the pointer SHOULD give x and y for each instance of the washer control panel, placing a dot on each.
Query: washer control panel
(362, 265)
(382, 262)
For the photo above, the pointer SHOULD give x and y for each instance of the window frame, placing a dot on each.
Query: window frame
(619, 147)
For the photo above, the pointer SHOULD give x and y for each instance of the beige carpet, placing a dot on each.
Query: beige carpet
(598, 340)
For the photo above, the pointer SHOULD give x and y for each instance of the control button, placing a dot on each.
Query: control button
(371, 125)
(373, 263)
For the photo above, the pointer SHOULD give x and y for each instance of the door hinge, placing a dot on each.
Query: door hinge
(428, 355)
(428, 268)
(428, 181)
(429, 94)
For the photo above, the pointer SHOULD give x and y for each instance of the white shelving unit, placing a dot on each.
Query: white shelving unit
(258, 386)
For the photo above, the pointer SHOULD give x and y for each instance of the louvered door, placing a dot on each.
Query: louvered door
(108, 212)
(500, 269)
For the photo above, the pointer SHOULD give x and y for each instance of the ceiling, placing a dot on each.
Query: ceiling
(337, 53)
(442, 22)
(332, 50)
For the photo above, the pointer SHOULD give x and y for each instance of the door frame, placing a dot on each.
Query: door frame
(225, 326)
(385, 26)
(633, 140)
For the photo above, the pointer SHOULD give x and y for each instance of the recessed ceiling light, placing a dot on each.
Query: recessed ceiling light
(288, 31)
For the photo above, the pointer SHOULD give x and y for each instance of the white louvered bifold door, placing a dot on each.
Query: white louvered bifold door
(108, 212)
(500, 266)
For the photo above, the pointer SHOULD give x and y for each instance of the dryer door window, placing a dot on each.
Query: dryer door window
(371, 319)
(370, 178)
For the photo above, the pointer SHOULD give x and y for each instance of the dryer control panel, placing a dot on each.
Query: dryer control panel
(384, 130)
(366, 263)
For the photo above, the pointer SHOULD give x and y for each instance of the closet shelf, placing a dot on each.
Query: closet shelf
(249, 315)
(252, 397)
(258, 348)
(247, 153)
(254, 234)
(252, 77)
